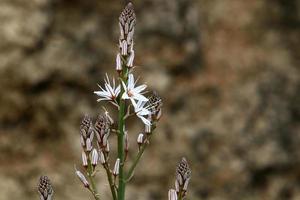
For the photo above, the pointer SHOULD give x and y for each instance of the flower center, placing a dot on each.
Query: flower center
(129, 93)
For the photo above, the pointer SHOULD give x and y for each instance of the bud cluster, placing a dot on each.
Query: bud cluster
(183, 176)
(86, 133)
(155, 106)
(102, 129)
(44, 188)
(127, 21)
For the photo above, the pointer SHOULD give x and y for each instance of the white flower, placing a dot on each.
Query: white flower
(110, 92)
(133, 93)
(141, 111)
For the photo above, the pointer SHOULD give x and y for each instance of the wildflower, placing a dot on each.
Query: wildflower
(141, 111)
(116, 167)
(172, 195)
(44, 188)
(131, 92)
(111, 91)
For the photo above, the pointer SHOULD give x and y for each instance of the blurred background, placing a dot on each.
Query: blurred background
(227, 70)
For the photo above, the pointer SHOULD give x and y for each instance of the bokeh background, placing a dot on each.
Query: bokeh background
(227, 70)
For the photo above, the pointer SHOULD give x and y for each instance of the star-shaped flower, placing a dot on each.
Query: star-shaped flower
(110, 93)
(132, 92)
(141, 111)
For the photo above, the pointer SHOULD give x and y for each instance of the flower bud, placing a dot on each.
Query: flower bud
(186, 183)
(118, 63)
(45, 189)
(102, 158)
(107, 148)
(82, 178)
(147, 128)
(130, 59)
(140, 139)
(172, 194)
(116, 168)
(126, 142)
(177, 186)
(84, 159)
(94, 157)
(88, 145)
(124, 48)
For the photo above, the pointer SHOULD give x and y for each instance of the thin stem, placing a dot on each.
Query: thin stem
(110, 179)
(121, 152)
(137, 159)
(180, 195)
(92, 182)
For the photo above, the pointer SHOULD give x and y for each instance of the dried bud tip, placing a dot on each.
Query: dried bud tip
(44, 188)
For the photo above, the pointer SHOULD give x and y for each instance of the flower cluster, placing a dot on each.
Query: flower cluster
(44, 188)
(183, 176)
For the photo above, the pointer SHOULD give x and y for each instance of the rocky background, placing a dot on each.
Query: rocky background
(228, 71)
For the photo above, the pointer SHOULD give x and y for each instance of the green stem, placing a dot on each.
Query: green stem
(121, 152)
(110, 180)
(136, 160)
(91, 179)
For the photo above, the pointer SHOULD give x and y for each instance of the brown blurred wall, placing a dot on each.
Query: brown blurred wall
(227, 70)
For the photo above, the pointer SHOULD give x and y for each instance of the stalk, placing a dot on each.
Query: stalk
(136, 160)
(91, 179)
(121, 151)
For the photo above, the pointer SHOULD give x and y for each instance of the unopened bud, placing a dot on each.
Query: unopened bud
(177, 186)
(159, 113)
(118, 63)
(94, 157)
(130, 59)
(147, 128)
(172, 194)
(104, 140)
(102, 158)
(84, 159)
(91, 133)
(82, 178)
(88, 145)
(107, 148)
(45, 189)
(186, 184)
(124, 48)
(140, 138)
(116, 168)
(126, 142)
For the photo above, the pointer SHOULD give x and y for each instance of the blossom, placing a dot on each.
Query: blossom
(110, 92)
(141, 111)
(132, 92)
